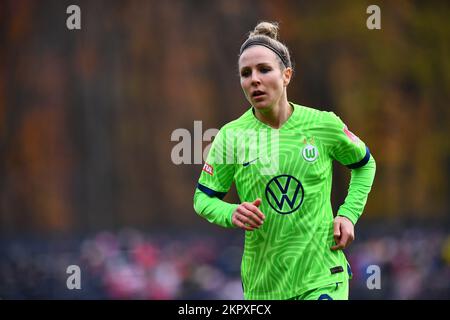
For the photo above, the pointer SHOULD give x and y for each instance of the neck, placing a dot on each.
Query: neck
(275, 116)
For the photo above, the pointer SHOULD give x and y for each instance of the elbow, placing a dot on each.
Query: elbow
(196, 204)
(373, 162)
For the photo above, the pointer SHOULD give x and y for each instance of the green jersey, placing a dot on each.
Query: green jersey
(290, 169)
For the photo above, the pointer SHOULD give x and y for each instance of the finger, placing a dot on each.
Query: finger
(342, 243)
(337, 236)
(350, 238)
(246, 227)
(337, 229)
(337, 247)
(257, 202)
(252, 214)
(344, 240)
(255, 210)
(241, 225)
(247, 217)
(238, 223)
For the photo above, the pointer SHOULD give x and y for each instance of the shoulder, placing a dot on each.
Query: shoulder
(244, 121)
(332, 119)
(314, 117)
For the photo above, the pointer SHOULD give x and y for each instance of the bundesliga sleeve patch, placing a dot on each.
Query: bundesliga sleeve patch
(351, 135)
(208, 168)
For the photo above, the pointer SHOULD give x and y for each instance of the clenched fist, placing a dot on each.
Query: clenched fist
(344, 233)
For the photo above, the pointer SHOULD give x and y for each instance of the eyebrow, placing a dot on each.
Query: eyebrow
(258, 65)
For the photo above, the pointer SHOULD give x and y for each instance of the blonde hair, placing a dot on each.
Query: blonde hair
(266, 34)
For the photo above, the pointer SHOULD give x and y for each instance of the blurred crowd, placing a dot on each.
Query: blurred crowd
(130, 264)
(414, 264)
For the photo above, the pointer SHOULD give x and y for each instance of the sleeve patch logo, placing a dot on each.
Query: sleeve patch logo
(208, 168)
(350, 135)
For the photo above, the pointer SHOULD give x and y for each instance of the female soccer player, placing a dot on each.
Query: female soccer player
(279, 155)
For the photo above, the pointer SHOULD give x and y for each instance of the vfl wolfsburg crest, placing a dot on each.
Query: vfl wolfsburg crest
(284, 193)
(310, 153)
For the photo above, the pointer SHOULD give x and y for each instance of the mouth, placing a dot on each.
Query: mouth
(257, 93)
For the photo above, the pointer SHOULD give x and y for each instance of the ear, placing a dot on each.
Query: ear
(287, 75)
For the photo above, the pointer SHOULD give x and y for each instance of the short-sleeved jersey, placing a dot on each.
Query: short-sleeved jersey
(290, 169)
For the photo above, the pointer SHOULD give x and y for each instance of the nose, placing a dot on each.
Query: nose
(255, 79)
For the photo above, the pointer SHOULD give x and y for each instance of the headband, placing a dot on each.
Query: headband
(268, 46)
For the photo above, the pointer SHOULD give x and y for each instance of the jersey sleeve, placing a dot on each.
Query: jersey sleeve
(346, 147)
(360, 185)
(218, 170)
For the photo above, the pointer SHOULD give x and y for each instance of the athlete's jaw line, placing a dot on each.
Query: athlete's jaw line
(266, 103)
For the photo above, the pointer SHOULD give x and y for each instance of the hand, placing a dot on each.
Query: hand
(344, 232)
(247, 216)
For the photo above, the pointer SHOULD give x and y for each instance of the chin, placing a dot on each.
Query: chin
(263, 105)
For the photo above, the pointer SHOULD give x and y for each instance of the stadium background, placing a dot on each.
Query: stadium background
(86, 118)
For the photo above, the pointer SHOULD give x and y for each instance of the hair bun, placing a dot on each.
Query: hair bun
(265, 28)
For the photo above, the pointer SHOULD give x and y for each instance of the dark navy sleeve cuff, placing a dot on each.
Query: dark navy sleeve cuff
(361, 163)
(211, 192)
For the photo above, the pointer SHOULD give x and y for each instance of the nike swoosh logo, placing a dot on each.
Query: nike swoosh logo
(245, 164)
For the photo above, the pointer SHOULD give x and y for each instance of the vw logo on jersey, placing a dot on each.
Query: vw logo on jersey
(284, 193)
(310, 153)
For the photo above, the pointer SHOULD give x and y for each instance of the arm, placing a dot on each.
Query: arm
(360, 184)
(349, 213)
(214, 209)
(215, 181)
(246, 215)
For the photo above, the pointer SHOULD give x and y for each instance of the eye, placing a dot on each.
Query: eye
(245, 73)
(265, 69)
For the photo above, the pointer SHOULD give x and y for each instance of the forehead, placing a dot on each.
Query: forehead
(256, 55)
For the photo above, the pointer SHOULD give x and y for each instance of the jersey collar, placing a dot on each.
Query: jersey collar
(286, 124)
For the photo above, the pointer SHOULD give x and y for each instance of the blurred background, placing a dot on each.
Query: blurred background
(86, 119)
